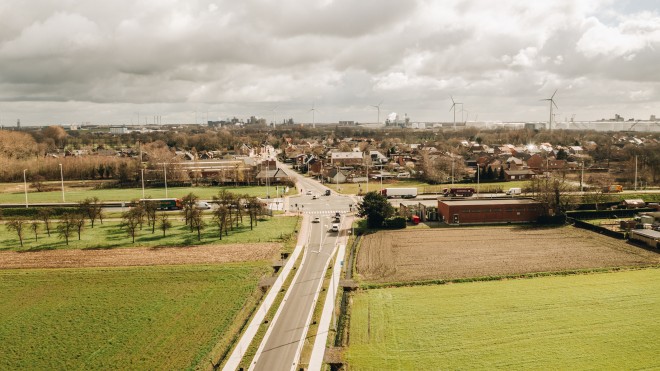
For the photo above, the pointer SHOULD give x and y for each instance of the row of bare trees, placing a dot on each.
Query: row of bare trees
(227, 216)
(67, 224)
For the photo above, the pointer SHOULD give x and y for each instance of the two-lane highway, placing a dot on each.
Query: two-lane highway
(283, 342)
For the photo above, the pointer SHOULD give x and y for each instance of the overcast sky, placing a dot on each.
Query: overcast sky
(67, 61)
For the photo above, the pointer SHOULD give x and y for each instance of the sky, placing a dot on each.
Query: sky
(110, 62)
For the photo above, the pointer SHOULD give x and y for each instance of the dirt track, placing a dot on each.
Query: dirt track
(473, 252)
(139, 256)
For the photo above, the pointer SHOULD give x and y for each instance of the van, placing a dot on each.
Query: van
(514, 191)
(202, 205)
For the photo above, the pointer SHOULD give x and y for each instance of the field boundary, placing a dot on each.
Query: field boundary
(572, 272)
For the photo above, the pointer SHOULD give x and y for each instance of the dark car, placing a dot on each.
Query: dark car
(327, 192)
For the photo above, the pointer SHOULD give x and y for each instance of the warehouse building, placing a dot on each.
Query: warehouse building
(485, 211)
(648, 237)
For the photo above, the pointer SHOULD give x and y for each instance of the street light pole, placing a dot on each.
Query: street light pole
(142, 171)
(25, 187)
(165, 172)
(62, 180)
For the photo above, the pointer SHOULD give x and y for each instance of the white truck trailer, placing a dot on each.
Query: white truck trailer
(399, 192)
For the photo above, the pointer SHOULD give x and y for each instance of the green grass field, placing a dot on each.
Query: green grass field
(353, 188)
(596, 321)
(122, 318)
(127, 194)
(109, 235)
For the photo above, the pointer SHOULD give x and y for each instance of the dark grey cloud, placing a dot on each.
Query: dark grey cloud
(103, 61)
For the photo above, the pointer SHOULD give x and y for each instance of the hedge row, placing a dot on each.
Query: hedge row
(31, 212)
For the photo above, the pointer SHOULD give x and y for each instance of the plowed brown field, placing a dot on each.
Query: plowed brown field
(141, 256)
(412, 255)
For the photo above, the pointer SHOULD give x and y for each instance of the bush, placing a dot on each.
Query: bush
(397, 222)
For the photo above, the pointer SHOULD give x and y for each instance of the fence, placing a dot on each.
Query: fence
(598, 229)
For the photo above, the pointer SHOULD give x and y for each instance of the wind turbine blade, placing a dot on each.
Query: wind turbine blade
(452, 107)
(553, 94)
(553, 102)
(452, 100)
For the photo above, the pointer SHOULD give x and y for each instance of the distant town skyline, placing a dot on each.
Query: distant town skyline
(110, 62)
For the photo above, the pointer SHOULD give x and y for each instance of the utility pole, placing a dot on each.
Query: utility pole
(635, 172)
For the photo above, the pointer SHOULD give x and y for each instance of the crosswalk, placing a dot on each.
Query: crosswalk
(326, 212)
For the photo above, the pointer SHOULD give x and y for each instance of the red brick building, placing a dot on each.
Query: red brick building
(484, 211)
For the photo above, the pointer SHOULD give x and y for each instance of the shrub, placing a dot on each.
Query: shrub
(397, 222)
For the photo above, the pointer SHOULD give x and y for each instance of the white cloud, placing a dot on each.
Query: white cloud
(499, 58)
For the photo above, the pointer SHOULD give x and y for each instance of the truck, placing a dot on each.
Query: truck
(399, 192)
(164, 203)
(462, 192)
(614, 188)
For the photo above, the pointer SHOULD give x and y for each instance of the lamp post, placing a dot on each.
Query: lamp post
(142, 171)
(62, 181)
(165, 175)
(25, 187)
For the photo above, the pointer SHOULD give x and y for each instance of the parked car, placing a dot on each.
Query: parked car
(316, 220)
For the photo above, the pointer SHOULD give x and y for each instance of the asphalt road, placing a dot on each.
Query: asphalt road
(281, 348)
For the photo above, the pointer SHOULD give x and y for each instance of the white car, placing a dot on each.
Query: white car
(308, 193)
(335, 227)
(316, 220)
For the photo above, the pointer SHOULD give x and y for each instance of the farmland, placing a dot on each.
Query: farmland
(430, 254)
(596, 321)
(109, 235)
(163, 317)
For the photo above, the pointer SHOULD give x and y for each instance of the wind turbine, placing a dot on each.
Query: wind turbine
(313, 111)
(453, 107)
(378, 108)
(552, 102)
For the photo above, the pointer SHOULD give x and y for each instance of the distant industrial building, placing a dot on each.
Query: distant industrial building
(485, 211)
(118, 130)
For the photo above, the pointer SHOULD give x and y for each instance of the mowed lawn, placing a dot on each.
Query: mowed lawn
(422, 187)
(143, 318)
(128, 194)
(111, 235)
(597, 321)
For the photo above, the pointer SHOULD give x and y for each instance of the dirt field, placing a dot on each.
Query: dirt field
(475, 252)
(136, 257)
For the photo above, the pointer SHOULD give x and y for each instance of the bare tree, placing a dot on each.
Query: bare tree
(45, 214)
(254, 209)
(189, 202)
(66, 226)
(79, 221)
(92, 208)
(150, 209)
(17, 225)
(163, 222)
(34, 225)
(197, 222)
(555, 194)
(220, 215)
(131, 221)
